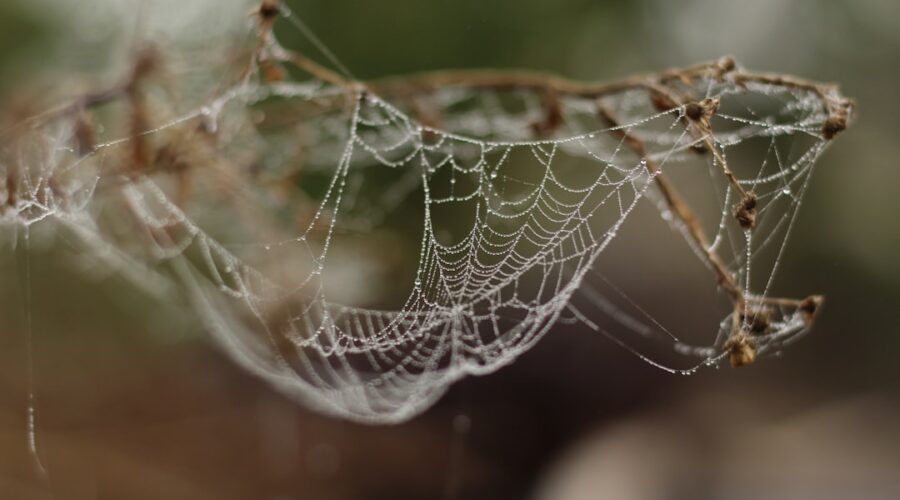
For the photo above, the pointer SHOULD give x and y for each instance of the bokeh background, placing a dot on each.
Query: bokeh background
(135, 402)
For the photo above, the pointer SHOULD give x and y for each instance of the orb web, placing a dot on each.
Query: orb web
(361, 246)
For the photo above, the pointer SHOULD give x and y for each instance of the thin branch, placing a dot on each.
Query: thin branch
(683, 212)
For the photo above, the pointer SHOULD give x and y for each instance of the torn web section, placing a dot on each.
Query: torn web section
(768, 137)
(64, 167)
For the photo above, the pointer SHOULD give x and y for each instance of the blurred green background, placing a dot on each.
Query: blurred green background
(135, 402)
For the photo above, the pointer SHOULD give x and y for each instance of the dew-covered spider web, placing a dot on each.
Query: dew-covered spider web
(361, 246)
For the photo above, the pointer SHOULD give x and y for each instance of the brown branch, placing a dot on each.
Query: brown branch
(678, 206)
(740, 345)
(838, 108)
(534, 80)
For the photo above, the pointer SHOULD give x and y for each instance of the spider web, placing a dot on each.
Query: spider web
(269, 201)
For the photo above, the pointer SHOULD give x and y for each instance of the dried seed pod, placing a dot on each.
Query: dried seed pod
(834, 125)
(809, 307)
(704, 109)
(758, 320)
(741, 350)
(693, 110)
(837, 120)
(745, 211)
(726, 64)
(269, 10)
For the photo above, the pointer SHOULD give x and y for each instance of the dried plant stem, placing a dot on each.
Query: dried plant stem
(678, 206)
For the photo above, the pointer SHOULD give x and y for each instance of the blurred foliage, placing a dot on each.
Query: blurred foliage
(22, 33)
